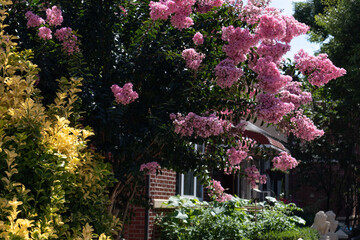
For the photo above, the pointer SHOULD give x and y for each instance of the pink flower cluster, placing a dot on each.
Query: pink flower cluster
(275, 26)
(271, 27)
(239, 43)
(273, 49)
(284, 162)
(320, 70)
(271, 80)
(272, 109)
(215, 189)
(54, 16)
(240, 152)
(293, 28)
(33, 20)
(206, 5)
(227, 73)
(250, 13)
(179, 9)
(192, 58)
(304, 128)
(253, 176)
(203, 127)
(45, 33)
(292, 93)
(68, 39)
(124, 95)
(259, 3)
(198, 38)
(235, 156)
(150, 167)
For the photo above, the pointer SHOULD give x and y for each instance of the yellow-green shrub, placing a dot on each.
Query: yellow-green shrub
(52, 185)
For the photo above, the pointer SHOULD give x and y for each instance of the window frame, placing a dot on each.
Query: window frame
(195, 185)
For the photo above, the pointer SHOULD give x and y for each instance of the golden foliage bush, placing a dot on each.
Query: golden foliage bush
(52, 185)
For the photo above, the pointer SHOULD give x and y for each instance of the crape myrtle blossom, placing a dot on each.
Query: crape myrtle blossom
(216, 190)
(271, 80)
(231, 169)
(33, 20)
(271, 27)
(272, 109)
(192, 58)
(179, 9)
(68, 39)
(54, 16)
(292, 93)
(206, 5)
(272, 24)
(124, 95)
(284, 162)
(301, 126)
(63, 33)
(320, 70)
(45, 33)
(239, 43)
(259, 3)
(227, 73)
(150, 167)
(181, 21)
(198, 38)
(159, 10)
(203, 127)
(237, 154)
(253, 175)
(250, 13)
(273, 49)
(293, 28)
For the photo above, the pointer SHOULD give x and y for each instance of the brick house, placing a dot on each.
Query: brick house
(160, 187)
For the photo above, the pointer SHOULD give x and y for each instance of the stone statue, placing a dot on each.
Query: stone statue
(333, 225)
(321, 224)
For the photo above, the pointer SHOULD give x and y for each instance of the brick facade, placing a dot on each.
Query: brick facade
(161, 187)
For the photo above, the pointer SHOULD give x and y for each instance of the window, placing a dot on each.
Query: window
(187, 185)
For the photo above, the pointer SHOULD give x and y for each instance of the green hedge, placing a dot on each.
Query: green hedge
(233, 219)
(306, 233)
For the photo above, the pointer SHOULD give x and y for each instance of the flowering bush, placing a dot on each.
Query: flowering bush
(154, 46)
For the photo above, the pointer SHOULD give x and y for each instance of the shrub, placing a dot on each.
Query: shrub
(305, 233)
(192, 219)
(52, 185)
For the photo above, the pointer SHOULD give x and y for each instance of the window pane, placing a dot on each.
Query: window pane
(189, 183)
(199, 189)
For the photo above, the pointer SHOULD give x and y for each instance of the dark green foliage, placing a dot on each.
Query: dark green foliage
(336, 106)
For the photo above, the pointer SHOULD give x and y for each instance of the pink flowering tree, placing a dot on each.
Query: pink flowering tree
(163, 76)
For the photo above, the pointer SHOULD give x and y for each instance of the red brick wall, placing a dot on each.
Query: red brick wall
(136, 230)
(162, 186)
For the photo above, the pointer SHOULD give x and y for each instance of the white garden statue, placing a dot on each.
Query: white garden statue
(333, 225)
(322, 225)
